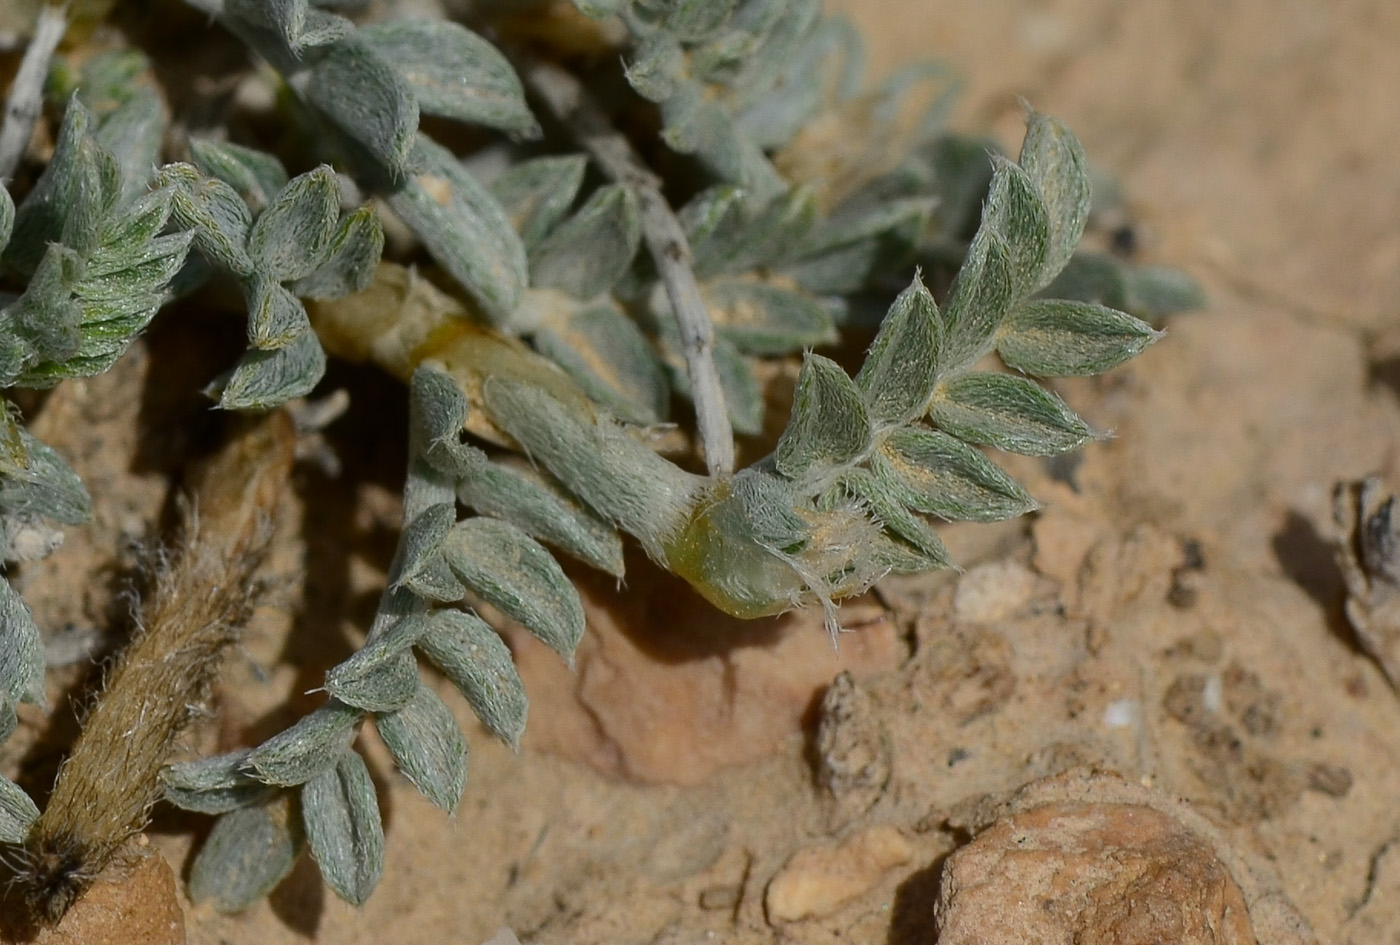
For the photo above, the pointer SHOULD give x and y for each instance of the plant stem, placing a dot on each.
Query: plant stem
(25, 104)
(569, 102)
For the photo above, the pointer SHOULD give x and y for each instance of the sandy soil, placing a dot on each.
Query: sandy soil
(1173, 614)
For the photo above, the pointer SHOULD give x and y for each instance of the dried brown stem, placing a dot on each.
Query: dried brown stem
(202, 595)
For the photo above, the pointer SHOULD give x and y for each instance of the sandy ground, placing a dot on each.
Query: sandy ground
(1174, 613)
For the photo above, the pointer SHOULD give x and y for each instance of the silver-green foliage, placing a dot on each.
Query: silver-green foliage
(863, 466)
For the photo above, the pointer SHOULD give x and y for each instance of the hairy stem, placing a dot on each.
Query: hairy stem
(569, 102)
(106, 788)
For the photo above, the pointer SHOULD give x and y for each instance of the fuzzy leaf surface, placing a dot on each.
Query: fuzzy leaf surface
(265, 379)
(464, 228)
(604, 351)
(1011, 413)
(901, 368)
(477, 661)
(829, 426)
(937, 474)
(589, 252)
(512, 572)
(453, 72)
(1054, 161)
(343, 828)
(428, 747)
(17, 812)
(368, 100)
(290, 238)
(536, 193)
(1056, 338)
(764, 319)
(544, 512)
(213, 785)
(249, 851)
(382, 675)
(351, 257)
(310, 747)
(255, 175)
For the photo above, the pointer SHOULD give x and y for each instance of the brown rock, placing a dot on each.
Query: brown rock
(1090, 874)
(819, 880)
(134, 902)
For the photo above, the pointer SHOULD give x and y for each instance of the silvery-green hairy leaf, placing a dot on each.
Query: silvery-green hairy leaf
(14, 455)
(843, 252)
(424, 571)
(453, 72)
(310, 747)
(290, 238)
(213, 785)
(915, 546)
(695, 20)
(600, 8)
(287, 17)
(249, 851)
(17, 812)
(382, 675)
(215, 213)
(961, 176)
(139, 222)
(537, 193)
(118, 272)
(1011, 413)
(352, 255)
(343, 828)
(658, 67)
(1157, 291)
(7, 216)
(544, 512)
(21, 656)
(981, 296)
(437, 415)
(48, 488)
(763, 319)
(1055, 163)
(827, 64)
(617, 476)
(40, 218)
(740, 234)
(367, 99)
(46, 314)
(829, 426)
(428, 747)
(607, 354)
(695, 124)
(938, 474)
(464, 228)
(901, 368)
(476, 660)
(276, 317)
(1057, 338)
(587, 253)
(512, 572)
(704, 213)
(132, 133)
(1015, 211)
(265, 379)
(255, 175)
(94, 187)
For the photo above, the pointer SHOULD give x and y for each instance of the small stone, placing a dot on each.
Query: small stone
(1094, 874)
(134, 901)
(819, 880)
(853, 748)
(992, 592)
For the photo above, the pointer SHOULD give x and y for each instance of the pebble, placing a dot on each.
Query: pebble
(820, 879)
